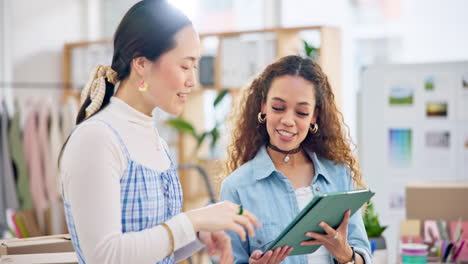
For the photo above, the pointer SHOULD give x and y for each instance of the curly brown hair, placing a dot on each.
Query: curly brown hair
(248, 135)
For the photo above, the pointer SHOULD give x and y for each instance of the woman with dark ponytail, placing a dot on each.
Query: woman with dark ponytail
(121, 191)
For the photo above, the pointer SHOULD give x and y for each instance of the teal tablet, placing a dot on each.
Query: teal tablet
(329, 208)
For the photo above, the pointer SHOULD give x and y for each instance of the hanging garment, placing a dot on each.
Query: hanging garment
(43, 143)
(44, 149)
(17, 155)
(32, 155)
(57, 216)
(3, 222)
(11, 196)
(55, 146)
(8, 193)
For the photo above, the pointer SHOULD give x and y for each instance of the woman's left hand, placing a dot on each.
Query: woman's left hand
(217, 243)
(336, 241)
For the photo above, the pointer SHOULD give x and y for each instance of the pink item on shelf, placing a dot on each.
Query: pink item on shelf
(464, 236)
(414, 249)
(411, 239)
(15, 225)
(460, 248)
(431, 231)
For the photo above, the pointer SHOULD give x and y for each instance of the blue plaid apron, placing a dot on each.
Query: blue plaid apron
(147, 198)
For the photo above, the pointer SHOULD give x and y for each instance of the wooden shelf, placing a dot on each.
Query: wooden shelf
(267, 30)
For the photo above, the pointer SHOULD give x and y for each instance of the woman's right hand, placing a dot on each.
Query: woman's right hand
(224, 216)
(270, 257)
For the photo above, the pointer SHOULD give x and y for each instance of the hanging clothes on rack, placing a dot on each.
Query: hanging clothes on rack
(43, 140)
(19, 164)
(33, 157)
(3, 207)
(55, 198)
(23, 219)
(50, 178)
(8, 187)
(56, 140)
(30, 143)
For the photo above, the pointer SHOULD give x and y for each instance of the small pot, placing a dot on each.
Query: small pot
(377, 243)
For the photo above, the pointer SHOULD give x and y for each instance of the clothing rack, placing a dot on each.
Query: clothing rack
(31, 139)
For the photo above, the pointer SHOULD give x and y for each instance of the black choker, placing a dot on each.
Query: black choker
(286, 158)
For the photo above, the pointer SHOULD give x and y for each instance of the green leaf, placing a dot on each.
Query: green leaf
(214, 136)
(200, 139)
(220, 97)
(310, 50)
(182, 126)
(307, 48)
(371, 222)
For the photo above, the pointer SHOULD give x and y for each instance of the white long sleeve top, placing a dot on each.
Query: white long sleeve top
(91, 168)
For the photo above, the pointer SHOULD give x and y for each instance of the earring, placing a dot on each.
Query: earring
(313, 128)
(261, 119)
(142, 86)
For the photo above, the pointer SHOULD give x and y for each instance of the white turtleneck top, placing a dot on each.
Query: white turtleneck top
(91, 168)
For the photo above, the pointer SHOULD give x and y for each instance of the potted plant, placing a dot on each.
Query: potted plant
(373, 228)
(185, 127)
(310, 51)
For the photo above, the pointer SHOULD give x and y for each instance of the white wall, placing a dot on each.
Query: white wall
(32, 40)
(112, 12)
(39, 30)
(434, 30)
(424, 31)
(5, 54)
(2, 45)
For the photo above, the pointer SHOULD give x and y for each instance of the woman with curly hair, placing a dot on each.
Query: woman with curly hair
(289, 143)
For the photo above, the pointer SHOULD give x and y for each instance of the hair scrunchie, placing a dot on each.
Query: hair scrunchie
(96, 87)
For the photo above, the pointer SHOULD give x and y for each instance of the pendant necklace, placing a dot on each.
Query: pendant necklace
(286, 158)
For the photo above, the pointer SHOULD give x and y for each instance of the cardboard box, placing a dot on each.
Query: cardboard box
(36, 245)
(437, 200)
(410, 228)
(48, 258)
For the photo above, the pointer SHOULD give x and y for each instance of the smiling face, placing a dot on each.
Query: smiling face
(290, 110)
(172, 76)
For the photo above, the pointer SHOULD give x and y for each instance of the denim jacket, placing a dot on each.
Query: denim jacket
(268, 194)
